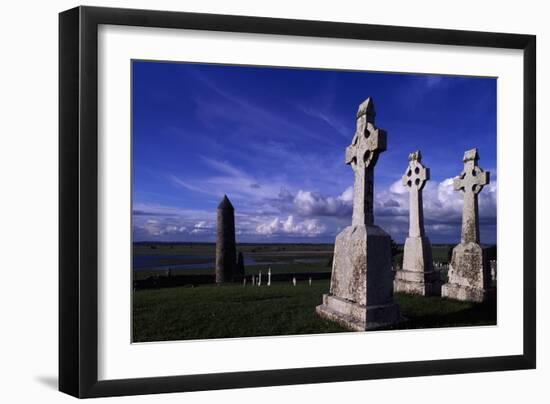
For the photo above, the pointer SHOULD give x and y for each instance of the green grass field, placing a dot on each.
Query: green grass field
(232, 310)
(228, 311)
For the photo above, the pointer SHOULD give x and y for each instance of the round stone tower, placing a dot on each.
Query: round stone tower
(226, 257)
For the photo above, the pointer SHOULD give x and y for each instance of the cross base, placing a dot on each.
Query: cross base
(417, 283)
(469, 274)
(356, 317)
(465, 293)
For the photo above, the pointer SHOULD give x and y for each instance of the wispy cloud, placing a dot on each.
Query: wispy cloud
(334, 123)
(230, 180)
(261, 120)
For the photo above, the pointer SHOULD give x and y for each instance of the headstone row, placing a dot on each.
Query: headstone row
(362, 285)
(256, 280)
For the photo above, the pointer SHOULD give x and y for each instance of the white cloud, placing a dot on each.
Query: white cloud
(309, 214)
(202, 227)
(347, 195)
(290, 226)
(154, 227)
(311, 204)
(442, 204)
(165, 222)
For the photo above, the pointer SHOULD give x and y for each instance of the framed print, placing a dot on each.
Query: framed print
(251, 201)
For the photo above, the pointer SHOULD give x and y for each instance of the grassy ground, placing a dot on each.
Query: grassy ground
(235, 311)
(228, 311)
(434, 312)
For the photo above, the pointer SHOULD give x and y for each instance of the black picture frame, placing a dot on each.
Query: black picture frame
(78, 201)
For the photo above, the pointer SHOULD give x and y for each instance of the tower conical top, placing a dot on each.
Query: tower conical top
(225, 204)
(367, 108)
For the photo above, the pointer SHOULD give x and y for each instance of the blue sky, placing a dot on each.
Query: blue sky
(273, 140)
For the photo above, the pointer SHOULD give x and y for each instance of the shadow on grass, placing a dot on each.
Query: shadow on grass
(234, 311)
(432, 312)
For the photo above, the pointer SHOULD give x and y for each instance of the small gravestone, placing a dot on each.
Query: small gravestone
(361, 287)
(417, 275)
(469, 271)
(293, 281)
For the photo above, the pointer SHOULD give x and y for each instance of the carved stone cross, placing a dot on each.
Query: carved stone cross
(471, 181)
(362, 155)
(415, 178)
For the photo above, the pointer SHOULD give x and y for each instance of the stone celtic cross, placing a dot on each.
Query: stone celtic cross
(368, 142)
(415, 178)
(471, 181)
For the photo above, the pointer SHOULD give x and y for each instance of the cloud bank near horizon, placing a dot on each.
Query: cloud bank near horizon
(306, 216)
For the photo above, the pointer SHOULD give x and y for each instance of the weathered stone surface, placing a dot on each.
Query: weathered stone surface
(417, 255)
(469, 271)
(470, 267)
(417, 275)
(469, 275)
(356, 317)
(356, 249)
(225, 241)
(361, 292)
(426, 282)
(471, 181)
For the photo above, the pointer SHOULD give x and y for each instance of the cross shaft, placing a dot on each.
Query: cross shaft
(415, 178)
(471, 181)
(368, 142)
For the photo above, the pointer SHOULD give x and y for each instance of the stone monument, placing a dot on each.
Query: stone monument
(226, 255)
(469, 271)
(417, 275)
(361, 289)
